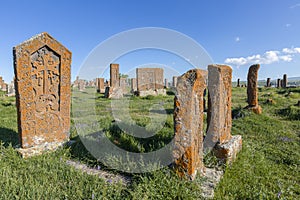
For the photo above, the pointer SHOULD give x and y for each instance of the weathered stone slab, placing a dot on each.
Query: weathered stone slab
(279, 83)
(268, 82)
(150, 81)
(133, 85)
(42, 71)
(166, 83)
(188, 123)
(252, 93)
(284, 81)
(114, 75)
(238, 83)
(219, 120)
(219, 104)
(174, 83)
(228, 151)
(100, 85)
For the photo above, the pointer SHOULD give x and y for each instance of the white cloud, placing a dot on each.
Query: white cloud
(291, 50)
(294, 6)
(269, 57)
(237, 39)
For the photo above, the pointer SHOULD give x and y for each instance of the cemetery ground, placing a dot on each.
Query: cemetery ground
(268, 167)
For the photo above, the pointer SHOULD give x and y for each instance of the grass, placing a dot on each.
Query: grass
(268, 167)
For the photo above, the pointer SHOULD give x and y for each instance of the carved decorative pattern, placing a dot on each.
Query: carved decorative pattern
(45, 76)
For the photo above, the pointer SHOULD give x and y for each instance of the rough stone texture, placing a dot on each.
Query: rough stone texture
(166, 83)
(133, 85)
(42, 71)
(114, 75)
(278, 83)
(252, 92)
(211, 179)
(81, 85)
(238, 83)
(152, 92)
(268, 82)
(284, 81)
(188, 123)
(100, 85)
(228, 151)
(3, 85)
(174, 81)
(149, 79)
(219, 104)
(103, 174)
(123, 84)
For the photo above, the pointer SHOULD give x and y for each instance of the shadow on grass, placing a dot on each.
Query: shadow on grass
(9, 136)
(290, 113)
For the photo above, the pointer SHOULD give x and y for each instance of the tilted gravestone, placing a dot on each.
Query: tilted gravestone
(252, 93)
(42, 70)
(188, 123)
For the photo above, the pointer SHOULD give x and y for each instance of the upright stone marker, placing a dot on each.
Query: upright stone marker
(284, 81)
(268, 82)
(133, 85)
(100, 85)
(278, 83)
(238, 83)
(252, 92)
(114, 76)
(188, 123)
(219, 121)
(174, 81)
(42, 71)
(150, 81)
(166, 83)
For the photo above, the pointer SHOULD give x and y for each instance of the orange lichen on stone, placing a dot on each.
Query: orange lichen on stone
(188, 123)
(42, 70)
(219, 104)
(252, 93)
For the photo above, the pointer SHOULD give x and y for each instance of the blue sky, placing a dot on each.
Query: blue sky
(234, 32)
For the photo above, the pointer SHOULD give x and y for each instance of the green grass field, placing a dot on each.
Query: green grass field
(268, 167)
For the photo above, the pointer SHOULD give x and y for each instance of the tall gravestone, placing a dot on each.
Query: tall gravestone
(133, 85)
(268, 82)
(188, 123)
(42, 70)
(114, 75)
(252, 92)
(279, 83)
(284, 81)
(238, 83)
(174, 81)
(100, 85)
(219, 120)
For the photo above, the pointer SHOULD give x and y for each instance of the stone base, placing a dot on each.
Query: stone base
(256, 109)
(41, 149)
(152, 92)
(227, 152)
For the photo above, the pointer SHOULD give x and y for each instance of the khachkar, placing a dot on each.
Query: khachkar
(188, 123)
(150, 81)
(252, 93)
(219, 123)
(42, 71)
